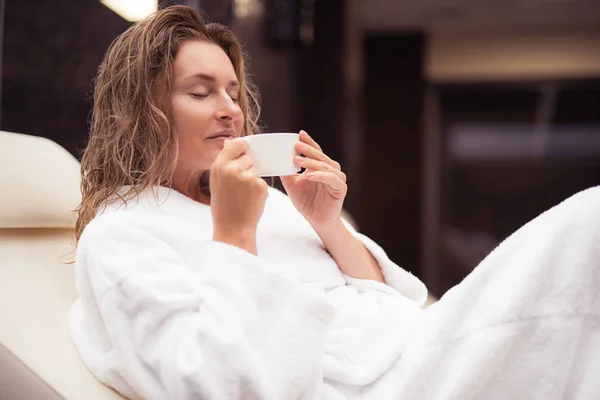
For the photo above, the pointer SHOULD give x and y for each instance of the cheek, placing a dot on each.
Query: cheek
(239, 123)
(190, 120)
(190, 115)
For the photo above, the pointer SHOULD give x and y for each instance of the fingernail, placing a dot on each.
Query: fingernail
(310, 174)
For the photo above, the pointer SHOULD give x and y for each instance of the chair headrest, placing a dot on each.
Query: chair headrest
(39, 183)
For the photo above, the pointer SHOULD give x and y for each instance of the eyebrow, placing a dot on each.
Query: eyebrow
(212, 79)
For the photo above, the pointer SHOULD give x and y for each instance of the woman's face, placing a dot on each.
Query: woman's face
(204, 106)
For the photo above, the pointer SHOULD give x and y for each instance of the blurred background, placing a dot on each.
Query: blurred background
(456, 121)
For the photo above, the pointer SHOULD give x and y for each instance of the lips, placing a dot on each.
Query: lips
(224, 134)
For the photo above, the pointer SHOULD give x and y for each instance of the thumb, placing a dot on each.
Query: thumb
(288, 180)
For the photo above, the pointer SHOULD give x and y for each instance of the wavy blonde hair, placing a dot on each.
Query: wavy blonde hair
(132, 139)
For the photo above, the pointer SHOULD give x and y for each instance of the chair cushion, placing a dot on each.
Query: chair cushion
(40, 183)
(36, 292)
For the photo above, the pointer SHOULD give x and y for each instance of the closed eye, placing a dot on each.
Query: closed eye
(198, 95)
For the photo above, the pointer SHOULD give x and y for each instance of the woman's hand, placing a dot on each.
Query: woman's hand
(319, 192)
(238, 196)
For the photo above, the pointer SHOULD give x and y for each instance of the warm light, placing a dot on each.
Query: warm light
(132, 10)
(247, 8)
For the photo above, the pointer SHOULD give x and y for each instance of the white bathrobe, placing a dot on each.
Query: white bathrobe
(164, 312)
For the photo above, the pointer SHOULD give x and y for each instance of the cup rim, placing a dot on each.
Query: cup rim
(272, 134)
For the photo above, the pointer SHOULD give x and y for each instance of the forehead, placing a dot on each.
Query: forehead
(199, 57)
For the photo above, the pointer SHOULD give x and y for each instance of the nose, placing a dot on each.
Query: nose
(228, 110)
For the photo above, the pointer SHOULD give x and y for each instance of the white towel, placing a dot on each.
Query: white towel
(524, 325)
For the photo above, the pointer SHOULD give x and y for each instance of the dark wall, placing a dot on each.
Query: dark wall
(320, 80)
(392, 155)
(272, 72)
(51, 52)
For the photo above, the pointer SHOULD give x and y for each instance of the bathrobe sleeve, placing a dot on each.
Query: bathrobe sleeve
(228, 328)
(399, 281)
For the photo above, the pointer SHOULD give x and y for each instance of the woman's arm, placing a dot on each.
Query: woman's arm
(227, 328)
(366, 266)
(350, 254)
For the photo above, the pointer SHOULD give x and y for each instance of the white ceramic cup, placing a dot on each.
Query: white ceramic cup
(273, 153)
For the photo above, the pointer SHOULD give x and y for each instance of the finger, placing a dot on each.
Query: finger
(330, 179)
(316, 154)
(243, 162)
(305, 137)
(314, 165)
(289, 180)
(250, 173)
(233, 149)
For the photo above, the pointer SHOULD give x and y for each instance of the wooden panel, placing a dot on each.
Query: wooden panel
(392, 155)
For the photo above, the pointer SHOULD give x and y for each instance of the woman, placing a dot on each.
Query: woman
(244, 293)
